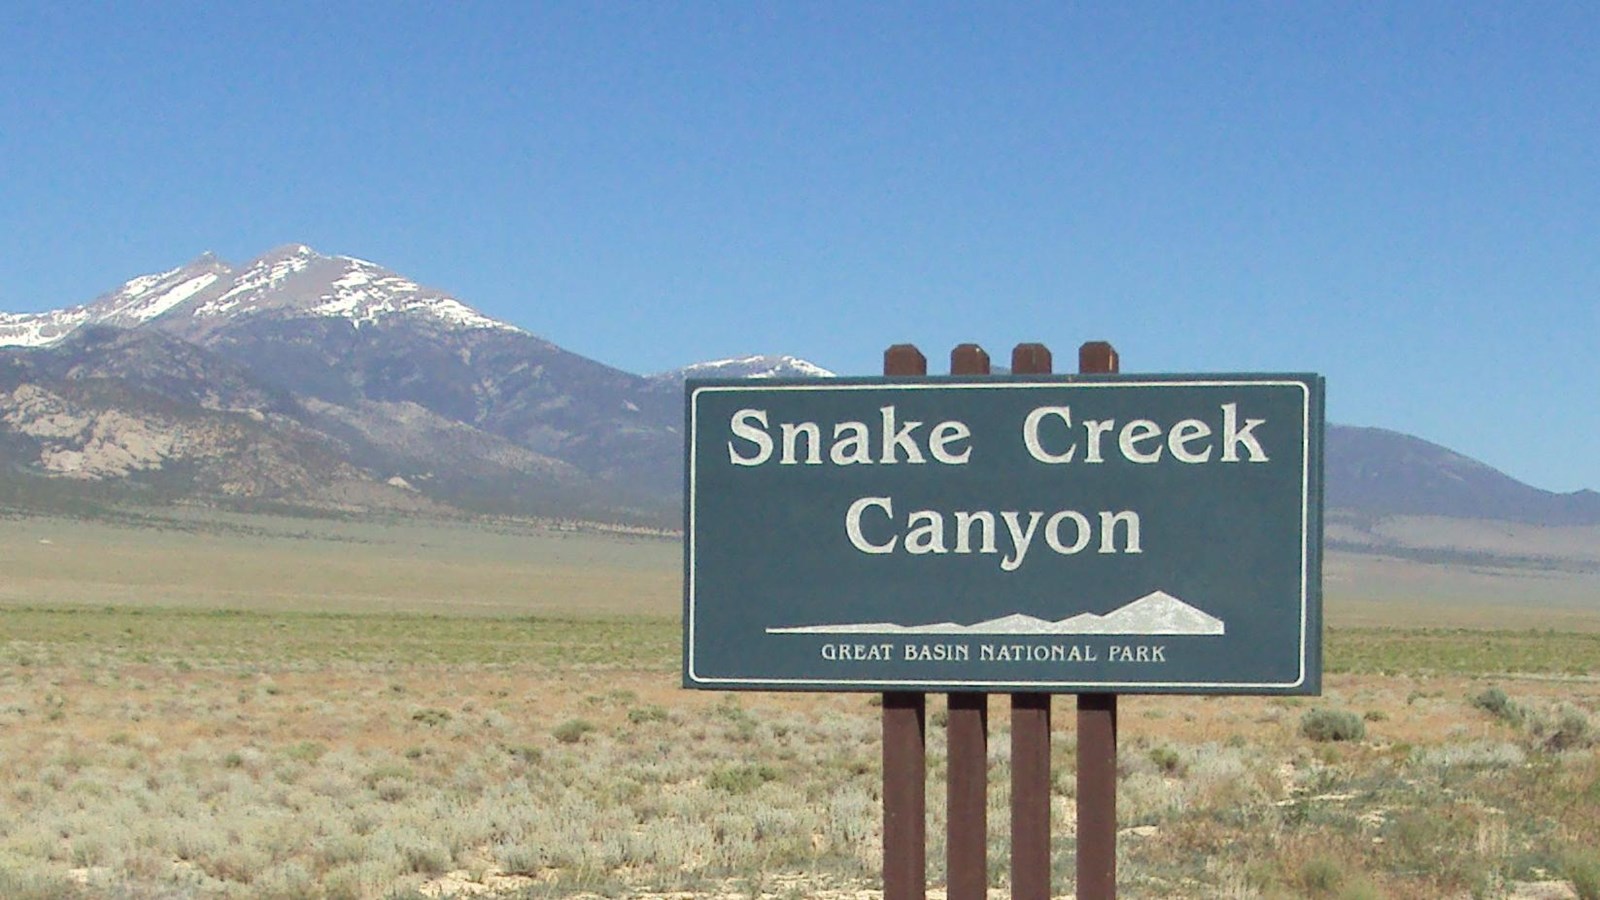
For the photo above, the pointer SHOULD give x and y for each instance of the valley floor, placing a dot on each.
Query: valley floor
(237, 758)
(214, 732)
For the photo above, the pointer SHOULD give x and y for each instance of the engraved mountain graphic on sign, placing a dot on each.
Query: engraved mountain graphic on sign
(1157, 612)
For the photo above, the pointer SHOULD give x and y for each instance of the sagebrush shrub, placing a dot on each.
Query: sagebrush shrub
(1584, 873)
(1497, 703)
(1324, 724)
(572, 730)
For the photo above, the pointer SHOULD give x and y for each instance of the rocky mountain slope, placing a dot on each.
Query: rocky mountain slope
(332, 382)
(405, 386)
(162, 419)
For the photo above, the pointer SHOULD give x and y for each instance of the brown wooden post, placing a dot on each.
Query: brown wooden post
(967, 733)
(1030, 740)
(969, 359)
(905, 807)
(1097, 739)
(905, 751)
(1098, 358)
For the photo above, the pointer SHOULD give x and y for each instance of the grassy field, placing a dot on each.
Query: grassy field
(216, 561)
(214, 706)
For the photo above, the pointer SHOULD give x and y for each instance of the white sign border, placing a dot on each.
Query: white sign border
(1063, 687)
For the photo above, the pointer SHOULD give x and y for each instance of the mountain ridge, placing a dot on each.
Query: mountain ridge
(408, 385)
(193, 298)
(405, 383)
(1379, 470)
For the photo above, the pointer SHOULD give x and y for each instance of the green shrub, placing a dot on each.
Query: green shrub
(1322, 724)
(741, 779)
(1320, 875)
(386, 772)
(306, 751)
(1361, 890)
(572, 730)
(426, 857)
(1166, 759)
(1566, 728)
(642, 714)
(392, 790)
(1584, 873)
(518, 859)
(432, 718)
(527, 753)
(1495, 702)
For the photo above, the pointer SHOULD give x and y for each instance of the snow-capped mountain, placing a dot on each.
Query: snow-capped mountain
(669, 385)
(747, 367)
(298, 371)
(399, 383)
(293, 281)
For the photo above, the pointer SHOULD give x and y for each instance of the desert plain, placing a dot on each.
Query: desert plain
(195, 704)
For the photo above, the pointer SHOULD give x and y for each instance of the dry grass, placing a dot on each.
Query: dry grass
(165, 749)
(284, 564)
(357, 779)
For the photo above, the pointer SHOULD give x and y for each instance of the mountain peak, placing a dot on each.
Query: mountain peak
(757, 366)
(290, 251)
(296, 281)
(291, 281)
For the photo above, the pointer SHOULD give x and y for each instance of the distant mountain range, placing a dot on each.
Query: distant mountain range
(329, 382)
(300, 380)
(1387, 472)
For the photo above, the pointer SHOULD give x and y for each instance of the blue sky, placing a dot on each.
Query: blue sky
(1402, 197)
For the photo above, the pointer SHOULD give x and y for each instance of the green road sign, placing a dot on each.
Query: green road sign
(1127, 534)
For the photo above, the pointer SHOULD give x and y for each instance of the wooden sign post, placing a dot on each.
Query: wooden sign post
(1097, 739)
(1030, 740)
(967, 726)
(905, 745)
(967, 742)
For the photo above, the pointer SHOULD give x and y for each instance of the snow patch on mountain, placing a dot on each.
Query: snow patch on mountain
(760, 366)
(143, 283)
(291, 281)
(39, 329)
(366, 292)
(148, 309)
(264, 275)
